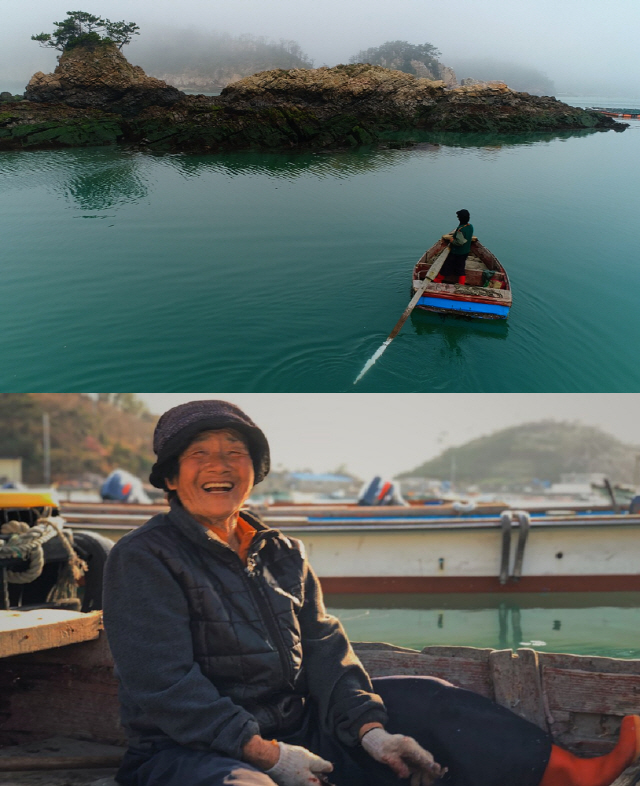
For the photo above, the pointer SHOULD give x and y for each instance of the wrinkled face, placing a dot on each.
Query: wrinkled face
(215, 475)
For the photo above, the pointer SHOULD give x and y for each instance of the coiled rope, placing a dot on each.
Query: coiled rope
(26, 543)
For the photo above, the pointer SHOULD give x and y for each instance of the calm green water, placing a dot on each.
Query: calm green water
(284, 272)
(582, 623)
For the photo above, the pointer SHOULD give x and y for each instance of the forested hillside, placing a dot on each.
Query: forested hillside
(87, 435)
(544, 450)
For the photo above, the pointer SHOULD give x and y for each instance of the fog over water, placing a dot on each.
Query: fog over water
(583, 46)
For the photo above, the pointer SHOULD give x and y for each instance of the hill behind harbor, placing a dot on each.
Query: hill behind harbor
(88, 436)
(514, 457)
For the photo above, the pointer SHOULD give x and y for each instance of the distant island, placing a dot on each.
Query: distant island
(96, 97)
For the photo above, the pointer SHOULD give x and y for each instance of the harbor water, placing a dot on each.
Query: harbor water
(285, 271)
(606, 624)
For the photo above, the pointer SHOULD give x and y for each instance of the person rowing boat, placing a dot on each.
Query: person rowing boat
(459, 248)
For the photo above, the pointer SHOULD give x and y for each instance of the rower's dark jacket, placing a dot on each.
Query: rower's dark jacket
(209, 652)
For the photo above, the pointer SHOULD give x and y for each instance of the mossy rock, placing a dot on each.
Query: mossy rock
(70, 133)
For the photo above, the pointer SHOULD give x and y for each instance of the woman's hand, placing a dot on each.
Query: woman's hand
(298, 767)
(403, 754)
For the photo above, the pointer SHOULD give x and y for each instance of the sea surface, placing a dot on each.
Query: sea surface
(588, 623)
(272, 272)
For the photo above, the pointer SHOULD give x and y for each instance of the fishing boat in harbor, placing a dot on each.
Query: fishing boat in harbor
(60, 705)
(486, 293)
(441, 548)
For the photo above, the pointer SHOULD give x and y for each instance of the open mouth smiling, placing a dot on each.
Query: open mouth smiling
(218, 487)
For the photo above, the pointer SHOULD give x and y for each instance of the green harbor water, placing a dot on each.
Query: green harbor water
(285, 271)
(606, 624)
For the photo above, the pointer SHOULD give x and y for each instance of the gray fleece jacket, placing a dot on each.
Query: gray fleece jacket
(210, 652)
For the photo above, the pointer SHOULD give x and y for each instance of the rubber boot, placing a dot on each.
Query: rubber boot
(565, 769)
(461, 280)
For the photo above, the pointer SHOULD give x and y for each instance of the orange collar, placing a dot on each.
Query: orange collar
(244, 534)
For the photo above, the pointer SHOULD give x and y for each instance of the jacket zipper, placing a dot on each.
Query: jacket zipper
(272, 626)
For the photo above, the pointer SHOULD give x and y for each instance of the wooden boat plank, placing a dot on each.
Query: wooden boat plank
(583, 691)
(464, 292)
(43, 629)
(517, 684)
(57, 749)
(596, 663)
(469, 673)
(71, 691)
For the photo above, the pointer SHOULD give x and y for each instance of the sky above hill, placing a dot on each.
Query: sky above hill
(584, 46)
(385, 434)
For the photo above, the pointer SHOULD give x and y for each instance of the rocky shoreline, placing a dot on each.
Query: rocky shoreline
(95, 97)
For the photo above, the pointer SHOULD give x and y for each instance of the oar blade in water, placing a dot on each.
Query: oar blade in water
(372, 360)
(418, 294)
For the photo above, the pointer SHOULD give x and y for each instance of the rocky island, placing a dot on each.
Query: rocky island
(96, 97)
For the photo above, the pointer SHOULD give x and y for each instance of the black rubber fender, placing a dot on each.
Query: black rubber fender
(94, 549)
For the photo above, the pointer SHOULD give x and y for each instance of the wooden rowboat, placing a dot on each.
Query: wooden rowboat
(486, 293)
(56, 679)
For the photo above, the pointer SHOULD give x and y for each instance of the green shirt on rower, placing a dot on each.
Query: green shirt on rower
(458, 244)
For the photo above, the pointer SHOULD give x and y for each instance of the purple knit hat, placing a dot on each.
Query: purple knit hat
(178, 426)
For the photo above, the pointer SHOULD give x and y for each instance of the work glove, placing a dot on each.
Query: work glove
(298, 767)
(403, 754)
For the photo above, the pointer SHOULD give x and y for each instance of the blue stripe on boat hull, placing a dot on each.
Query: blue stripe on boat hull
(464, 306)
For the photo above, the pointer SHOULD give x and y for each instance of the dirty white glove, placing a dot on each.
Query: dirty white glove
(403, 754)
(298, 767)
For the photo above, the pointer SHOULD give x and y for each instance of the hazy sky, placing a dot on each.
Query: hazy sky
(380, 433)
(586, 44)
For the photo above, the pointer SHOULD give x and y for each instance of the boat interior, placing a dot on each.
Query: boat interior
(485, 276)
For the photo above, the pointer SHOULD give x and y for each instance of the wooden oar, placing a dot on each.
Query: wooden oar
(431, 274)
(439, 261)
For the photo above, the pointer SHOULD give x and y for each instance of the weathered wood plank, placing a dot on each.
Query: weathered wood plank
(44, 629)
(588, 734)
(70, 691)
(41, 750)
(517, 684)
(32, 763)
(629, 777)
(573, 690)
(590, 663)
(469, 673)
(467, 653)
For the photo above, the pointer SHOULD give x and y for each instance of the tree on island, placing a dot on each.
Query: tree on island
(83, 29)
(400, 56)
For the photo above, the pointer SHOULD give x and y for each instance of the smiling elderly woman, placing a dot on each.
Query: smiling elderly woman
(232, 672)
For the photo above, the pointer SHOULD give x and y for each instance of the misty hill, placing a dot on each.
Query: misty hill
(87, 436)
(210, 60)
(521, 78)
(421, 60)
(515, 456)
